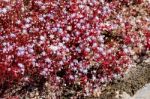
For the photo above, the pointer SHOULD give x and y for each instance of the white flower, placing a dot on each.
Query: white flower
(94, 45)
(24, 31)
(12, 35)
(61, 44)
(43, 7)
(42, 38)
(66, 39)
(71, 77)
(18, 22)
(28, 20)
(61, 63)
(87, 49)
(100, 49)
(21, 51)
(69, 28)
(47, 60)
(21, 65)
(43, 73)
(31, 50)
(126, 50)
(27, 25)
(54, 48)
(51, 36)
(43, 53)
(41, 18)
(46, 69)
(85, 71)
(78, 50)
(109, 51)
(101, 38)
(4, 10)
(93, 78)
(6, 0)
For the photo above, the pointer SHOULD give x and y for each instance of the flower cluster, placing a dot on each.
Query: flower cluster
(75, 42)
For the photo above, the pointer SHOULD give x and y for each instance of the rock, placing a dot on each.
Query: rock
(143, 93)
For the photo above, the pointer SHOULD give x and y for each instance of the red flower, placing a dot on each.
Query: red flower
(85, 39)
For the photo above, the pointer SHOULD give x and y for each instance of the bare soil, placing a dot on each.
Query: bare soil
(135, 79)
